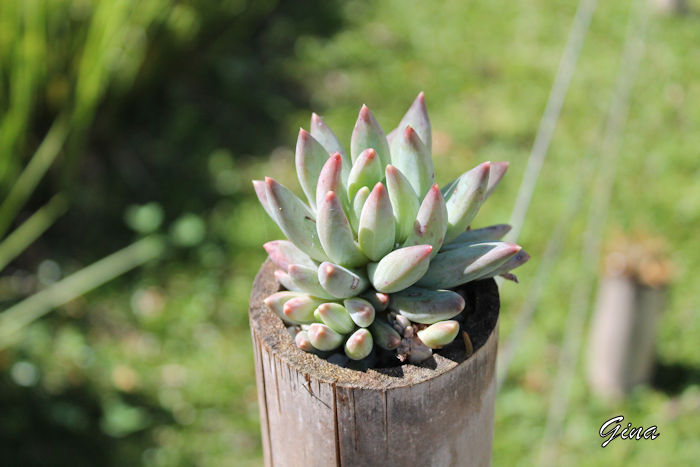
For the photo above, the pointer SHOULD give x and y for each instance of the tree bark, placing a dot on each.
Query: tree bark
(314, 413)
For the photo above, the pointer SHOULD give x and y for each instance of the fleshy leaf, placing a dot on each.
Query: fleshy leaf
(361, 311)
(417, 117)
(310, 157)
(324, 338)
(439, 334)
(341, 282)
(520, 258)
(412, 158)
(294, 219)
(375, 235)
(305, 279)
(427, 306)
(359, 344)
(379, 300)
(400, 269)
(277, 300)
(498, 170)
(330, 180)
(284, 279)
(449, 188)
(404, 202)
(335, 316)
(461, 265)
(300, 310)
(357, 205)
(366, 171)
(368, 134)
(335, 234)
(485, 234)
(431, 222)
(302, 341)
(385, 336)
(465, 200)
(330, 142)
(259, 187)
(283, 253)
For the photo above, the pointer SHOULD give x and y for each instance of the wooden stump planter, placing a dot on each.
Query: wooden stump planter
(315, 413)
(622, 338)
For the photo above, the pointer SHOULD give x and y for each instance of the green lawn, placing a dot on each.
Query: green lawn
(163, 357)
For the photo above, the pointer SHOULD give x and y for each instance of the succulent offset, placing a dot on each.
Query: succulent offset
(373, 252)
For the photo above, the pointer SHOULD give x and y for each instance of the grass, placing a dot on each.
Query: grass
(166, 354)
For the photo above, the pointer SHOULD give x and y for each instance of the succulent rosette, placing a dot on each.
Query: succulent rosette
(372, 254)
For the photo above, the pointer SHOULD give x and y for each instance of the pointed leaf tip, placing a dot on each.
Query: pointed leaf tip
(517, 259)
(330, 179)
(365, 113)
(410, 134)
(310, 157)
(404, 202)
(467, 263)
(497, 171)
(259, 187)
(284, 253)
(376, 235)
(417, 118)
(430, 223)
(335, 233)
(368, 134)
(412, 157)
(365, 171)
(464, 198)
(329, 141)
(294, 218)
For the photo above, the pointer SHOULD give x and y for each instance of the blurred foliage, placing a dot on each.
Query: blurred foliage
(151, 104)
(157, 368)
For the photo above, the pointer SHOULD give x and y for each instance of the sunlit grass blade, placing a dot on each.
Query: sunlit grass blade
(31, 229)
(32, 308)
(33, 172)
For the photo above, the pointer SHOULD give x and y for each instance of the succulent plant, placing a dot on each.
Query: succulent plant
(373, 252)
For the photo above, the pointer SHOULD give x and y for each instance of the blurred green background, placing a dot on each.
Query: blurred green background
(144, 121)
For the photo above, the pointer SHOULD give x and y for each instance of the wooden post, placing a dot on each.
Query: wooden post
(314, 413)
(622, 338)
